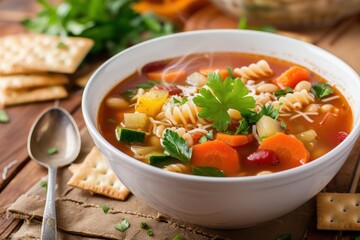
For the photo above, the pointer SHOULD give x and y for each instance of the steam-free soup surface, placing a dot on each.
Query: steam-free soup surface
(224, 114)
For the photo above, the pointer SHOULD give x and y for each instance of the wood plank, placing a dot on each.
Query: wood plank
(8, 225)
(25, 179)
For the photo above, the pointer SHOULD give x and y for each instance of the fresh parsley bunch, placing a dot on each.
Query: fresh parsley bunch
(112, 24)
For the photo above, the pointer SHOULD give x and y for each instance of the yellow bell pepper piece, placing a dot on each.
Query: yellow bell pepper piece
(151, 102)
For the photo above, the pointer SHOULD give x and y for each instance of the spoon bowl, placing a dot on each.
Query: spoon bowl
(54, 129)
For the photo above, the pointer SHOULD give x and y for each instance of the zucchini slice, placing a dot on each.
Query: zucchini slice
(159, 159)
(129, 136)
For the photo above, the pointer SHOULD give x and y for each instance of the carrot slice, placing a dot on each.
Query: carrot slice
(235, 140)
(290, 151)
(223, 72)
(292, 76)
(216, 154)
(170, 77)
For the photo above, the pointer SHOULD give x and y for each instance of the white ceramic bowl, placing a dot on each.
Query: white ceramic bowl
(223, 202)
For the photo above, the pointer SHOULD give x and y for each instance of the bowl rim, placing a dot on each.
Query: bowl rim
(235, 179)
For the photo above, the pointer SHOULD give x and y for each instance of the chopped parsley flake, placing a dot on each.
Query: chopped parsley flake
(125, 224)
(177, 237)
(267, 110)
(210, 134)
(128, 94)
(243, 127)
(44, 184)
(111, 120)
(203, 139)
(321, 90)
(181, 102)
(175, 100)
(283, 92)
(105, 208)
(143, 225)
(146, 85)
(4, 118)
(208, 171)
(52, 150)
(150, 232)
(224, 95)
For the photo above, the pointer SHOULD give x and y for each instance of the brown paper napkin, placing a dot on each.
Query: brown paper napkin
(79, 216)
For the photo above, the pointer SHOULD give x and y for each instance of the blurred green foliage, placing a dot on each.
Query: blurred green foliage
(112, 24)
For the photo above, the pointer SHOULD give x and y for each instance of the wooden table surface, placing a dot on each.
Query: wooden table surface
(342, 39)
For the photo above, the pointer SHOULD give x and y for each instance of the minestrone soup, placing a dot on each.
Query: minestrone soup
(224, 114)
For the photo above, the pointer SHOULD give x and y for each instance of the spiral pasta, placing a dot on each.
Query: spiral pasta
(257, 70)
(178, 167)
(294, 101)
(159, 131)
(183, 114)
(263, 98)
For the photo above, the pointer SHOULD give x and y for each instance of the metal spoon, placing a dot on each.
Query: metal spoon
(54, 129)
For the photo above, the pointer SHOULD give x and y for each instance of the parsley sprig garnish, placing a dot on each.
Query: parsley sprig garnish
(321, 90)
(176, 147)
(222, 96)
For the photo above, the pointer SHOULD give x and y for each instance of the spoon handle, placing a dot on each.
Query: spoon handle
(48, 229)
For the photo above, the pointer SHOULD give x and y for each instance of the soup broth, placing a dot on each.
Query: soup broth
(224, 114)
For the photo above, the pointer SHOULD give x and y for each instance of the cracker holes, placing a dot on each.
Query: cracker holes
(357, 204)
(331, 200)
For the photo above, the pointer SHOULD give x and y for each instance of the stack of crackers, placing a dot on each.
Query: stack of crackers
(33, 67)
